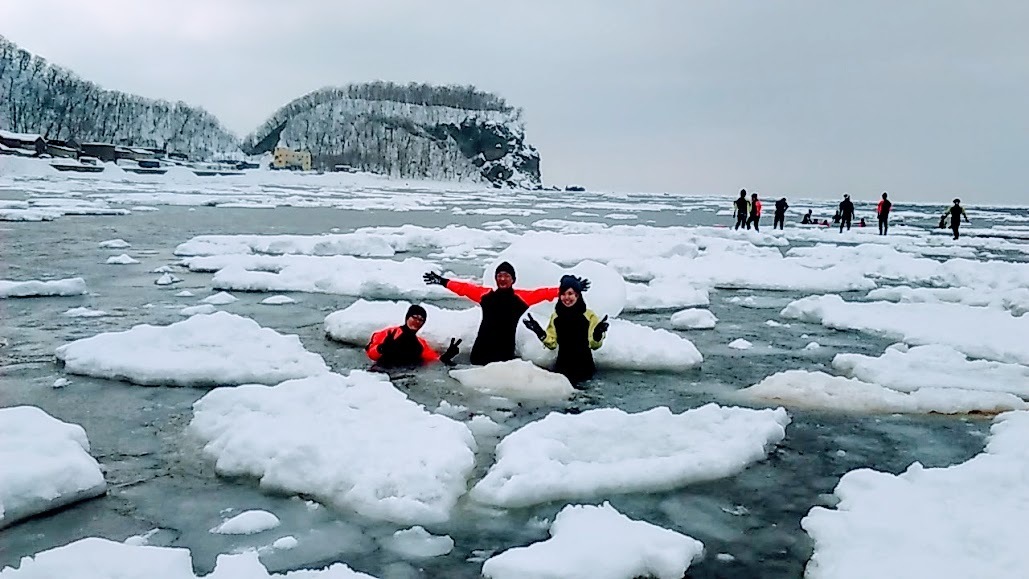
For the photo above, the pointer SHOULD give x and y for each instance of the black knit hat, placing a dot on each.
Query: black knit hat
(416, 310)
(505, 266)
(570, 281)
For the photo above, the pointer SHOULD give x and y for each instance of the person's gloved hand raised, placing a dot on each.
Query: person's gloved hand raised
(452, 351)
(535, 326)
(433, 278)
(584, 283)
(600, 330)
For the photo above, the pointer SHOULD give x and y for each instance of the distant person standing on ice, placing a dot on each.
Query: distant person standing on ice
(846, 212)
(883, 212)
(741, 209)
(401, 345)
(501, 309)
(780, 214)
(574, 331)
(956, 213)
(755, 212)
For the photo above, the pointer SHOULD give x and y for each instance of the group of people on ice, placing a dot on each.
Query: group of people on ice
(747, 212)
(573, 330)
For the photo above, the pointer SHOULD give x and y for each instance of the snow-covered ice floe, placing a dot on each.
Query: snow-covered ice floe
(74, 286)
(598, 542)
(220, 299)
(45, 464)
(909, 369)
(988, 333)
(96, 558)
(627, 346)
(356, 244)
(203, 351)
(806, 389)
(123, 259)
(516, 380)
(417, 543)
(115, 244)
(353, 441)
(965, 520)
(566, 456)
(693, 319)
(247, 523)
(84, 313)
(278, 300)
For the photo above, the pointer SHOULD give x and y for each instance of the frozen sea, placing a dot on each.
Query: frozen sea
(158, 477)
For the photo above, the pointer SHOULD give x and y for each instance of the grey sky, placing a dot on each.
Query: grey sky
(926, 99)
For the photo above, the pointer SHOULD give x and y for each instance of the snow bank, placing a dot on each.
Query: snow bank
(568, 456)
(515, 379)
(417, 543)
(356, 244)
(598, 542)
(981, 332)
(907, 370)
(46, 464)
(355, 442)
(247, 523)
(96, 558)
(965, 520)
(26, 289)
(693, 319)
(202, 351)
(804, 389)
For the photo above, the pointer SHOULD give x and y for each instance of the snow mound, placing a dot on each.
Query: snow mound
(693, 319)
(75, 286)
(981, 332)
(278, 301)
(203, 351)
(598, 542)
(96, 558)
(220, 299)
(417, 543)
(516, 380)
(907, 370)
(167, 279)
(247, 523)
(123, 259)
(805, 389)
(355, 442)
(46, 464)
(115, 244)
(568, 456)
(964, 520)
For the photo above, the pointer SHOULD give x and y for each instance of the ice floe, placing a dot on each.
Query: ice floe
(247, 523)
(203, 351)
(356, 244)
(278, 300)
(417, 543)
(693, 319)
(46, 464)
(84, 313)
(352, 441)
(220, 299)
(123, 259)
(516, 380)
(197, 309)
(115, 244)
(818, 390)
(28, 289)
(964, 520)
(567, 456)
(598, 542)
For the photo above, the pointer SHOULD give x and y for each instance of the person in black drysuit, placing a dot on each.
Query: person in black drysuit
(956, 213)
(501, 309)
(883, 212)
(807, 219)
(846, 212)
(574, 330)
(741, 209)
(780, 214)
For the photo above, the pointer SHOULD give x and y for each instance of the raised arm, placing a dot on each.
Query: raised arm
(536, 296)
(469, 290)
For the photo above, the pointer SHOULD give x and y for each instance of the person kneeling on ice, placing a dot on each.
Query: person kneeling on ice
(573, 330)
(501, 309)
(401, 346)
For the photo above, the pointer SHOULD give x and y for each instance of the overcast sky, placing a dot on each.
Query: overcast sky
(926, 99)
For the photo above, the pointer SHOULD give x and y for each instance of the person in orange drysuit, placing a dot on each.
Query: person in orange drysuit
(401, 345)
(755, 212)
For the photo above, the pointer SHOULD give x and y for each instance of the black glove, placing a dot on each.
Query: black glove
(452, 352)
(388, 344)
(600, 330)
(535, 327)
(584, 283)
(433, 278)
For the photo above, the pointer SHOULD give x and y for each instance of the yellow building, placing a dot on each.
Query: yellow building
(290, 159)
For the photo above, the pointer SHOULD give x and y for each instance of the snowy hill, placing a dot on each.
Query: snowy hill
(413, 130)
(43, 98)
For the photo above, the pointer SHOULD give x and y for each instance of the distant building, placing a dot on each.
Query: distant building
(26, 144)
(289, 159)
(103, 151)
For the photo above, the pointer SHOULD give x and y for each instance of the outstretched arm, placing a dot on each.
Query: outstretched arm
(536, 296)
(468, 290)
